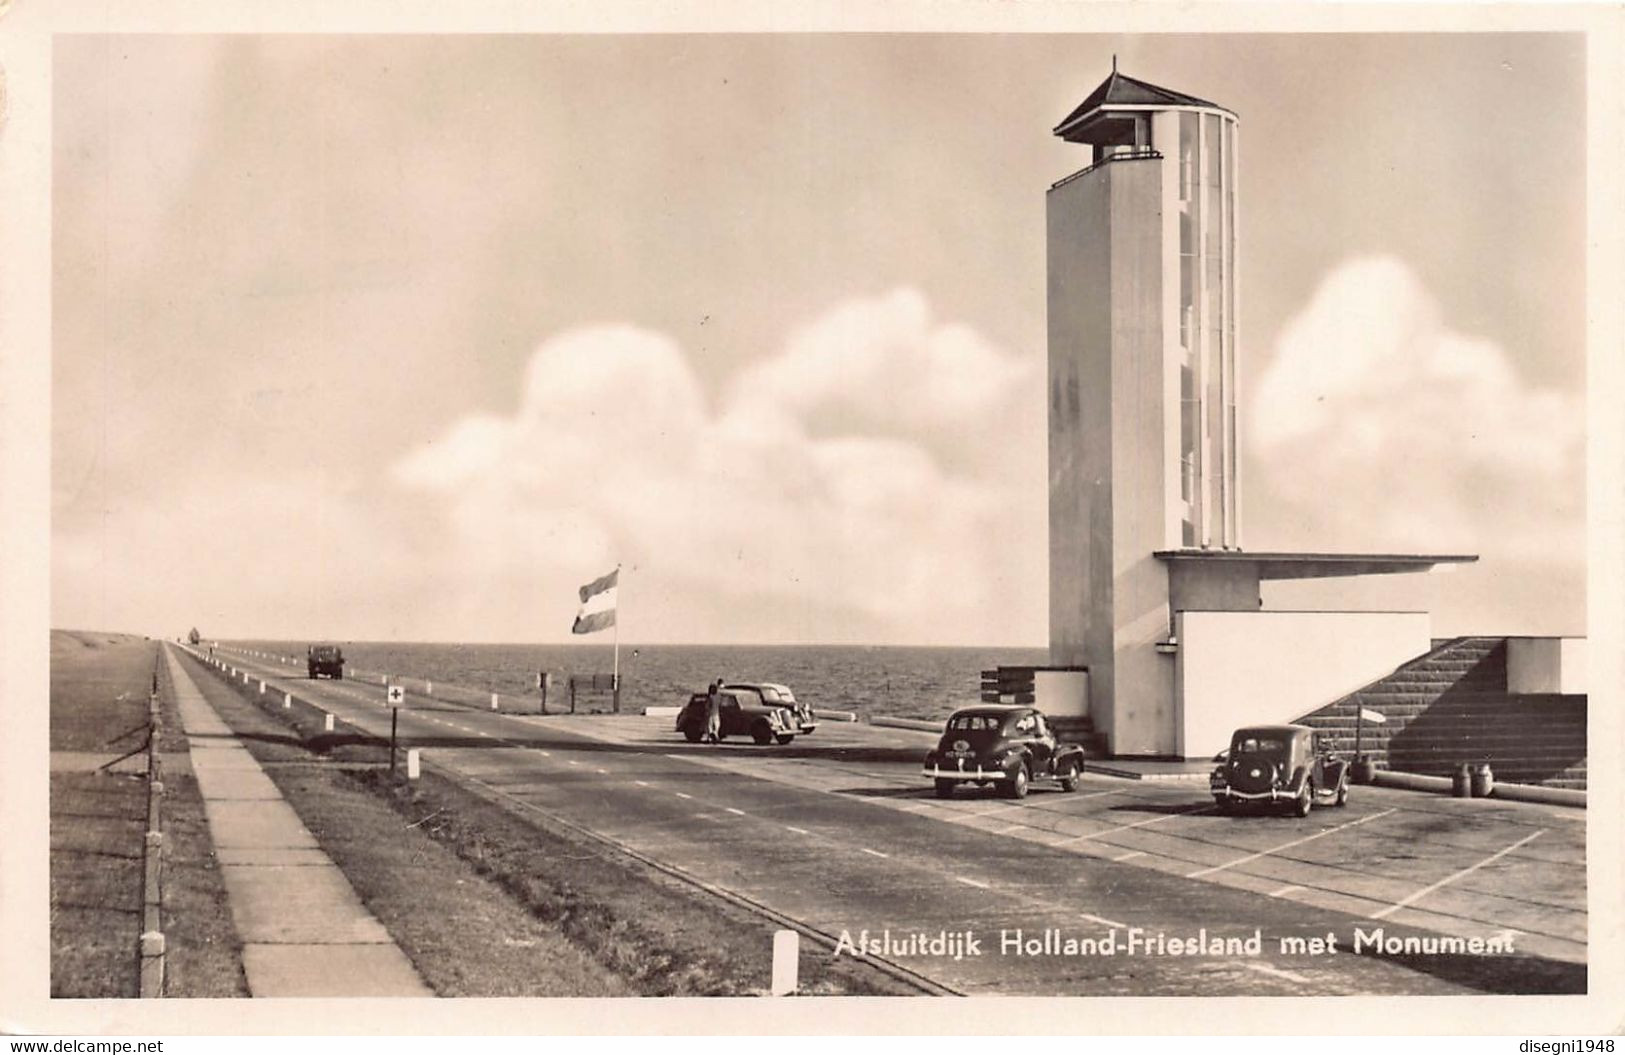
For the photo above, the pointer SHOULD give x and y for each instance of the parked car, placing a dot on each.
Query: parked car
(772, 694)
(325, 660)
(1002, 745)
(1272, 764)
(742, 713)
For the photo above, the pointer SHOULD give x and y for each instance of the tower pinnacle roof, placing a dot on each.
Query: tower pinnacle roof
(1119, 89)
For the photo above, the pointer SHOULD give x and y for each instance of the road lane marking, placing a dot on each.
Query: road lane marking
(798, 831)
(1284, 891)
(972, 882)
(641, 783)
(1264, 968)
(875, 853)
(684, 795)
(604, 771)
(1102, 920)
(1469, 870)
(1284, 846)
(573, 762)
(1141, 824)
(1130, 855)
(730, 809)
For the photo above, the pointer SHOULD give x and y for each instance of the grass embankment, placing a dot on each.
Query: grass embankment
(99, 689)
(487, 901)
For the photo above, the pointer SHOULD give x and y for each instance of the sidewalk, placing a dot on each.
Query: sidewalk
(304, 931)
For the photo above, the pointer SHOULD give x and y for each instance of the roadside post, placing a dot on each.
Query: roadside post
(493, 701)
(327, 723)
(786, 962)
(394, 717)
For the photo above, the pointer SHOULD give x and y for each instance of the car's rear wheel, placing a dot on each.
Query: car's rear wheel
(1305, 800)
(692, 733)
(1016, 786)
(1068, 776)
(784, 738)
(945, 789)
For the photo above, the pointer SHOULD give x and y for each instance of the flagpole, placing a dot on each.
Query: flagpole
(617, 672)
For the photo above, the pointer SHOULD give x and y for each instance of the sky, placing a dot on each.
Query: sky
(409, 337)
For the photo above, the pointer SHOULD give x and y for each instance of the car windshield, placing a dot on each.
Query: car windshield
(975, 723)
(1254, 745)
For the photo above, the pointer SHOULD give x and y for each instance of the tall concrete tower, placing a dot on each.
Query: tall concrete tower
(1149, 587)
(1142, 380)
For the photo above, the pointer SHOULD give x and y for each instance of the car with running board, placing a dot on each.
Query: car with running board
(1006, 746)
(743, 710)
(1290, 765)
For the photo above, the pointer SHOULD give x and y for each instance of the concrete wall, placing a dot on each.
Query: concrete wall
(1061, 693)
(1243, 668)
(1108, 448)
(1546, 665)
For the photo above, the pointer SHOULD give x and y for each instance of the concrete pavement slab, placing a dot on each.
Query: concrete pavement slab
(272, 903)
(235, 784)
(318, 970)
(291, 856)
(256, 825)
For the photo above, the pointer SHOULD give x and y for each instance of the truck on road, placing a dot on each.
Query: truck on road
(325, 659)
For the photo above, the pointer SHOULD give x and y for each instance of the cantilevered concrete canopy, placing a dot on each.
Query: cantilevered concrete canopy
(1312, 565)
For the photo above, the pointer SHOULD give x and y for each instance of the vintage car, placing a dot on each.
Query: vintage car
(742, 713)
(1290, 764)
(325, 660)
(772, 694)
(1002, 745)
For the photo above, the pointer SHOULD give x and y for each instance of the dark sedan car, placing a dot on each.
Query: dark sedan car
(1006, 746)
(1280, 764)
(742, 713)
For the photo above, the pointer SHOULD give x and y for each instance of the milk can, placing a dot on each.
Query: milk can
(1461, 781)
(1483, 780)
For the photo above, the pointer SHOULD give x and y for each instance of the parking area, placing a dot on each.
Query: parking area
(1460, 867)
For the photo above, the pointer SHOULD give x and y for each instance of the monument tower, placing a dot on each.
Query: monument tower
(1144, 466)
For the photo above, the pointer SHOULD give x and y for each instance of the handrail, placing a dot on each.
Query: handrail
(1146, 154)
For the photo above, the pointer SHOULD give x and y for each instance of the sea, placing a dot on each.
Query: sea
(901, 681)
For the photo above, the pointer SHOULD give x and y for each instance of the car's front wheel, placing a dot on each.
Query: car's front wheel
(1305, 800)
(784, 738)
(1016, 786)
(692, 733)
(1343, 793)
(1223, 803)
(1068, 776)
(945, 789)
(762, 734)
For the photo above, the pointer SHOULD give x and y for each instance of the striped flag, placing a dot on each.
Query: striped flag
(597, 604)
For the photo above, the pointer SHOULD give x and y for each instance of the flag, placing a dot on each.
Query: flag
(597, 604)
(1366, 714)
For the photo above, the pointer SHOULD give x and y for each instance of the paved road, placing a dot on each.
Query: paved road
(839, 830)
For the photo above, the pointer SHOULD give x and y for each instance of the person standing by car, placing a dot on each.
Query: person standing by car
(713, 712)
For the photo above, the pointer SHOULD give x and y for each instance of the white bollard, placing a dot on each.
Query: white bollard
(786, 961)
(493, 701)
(287, 700)
(413, 767)
(428, 688)
(262, 686)
(327, 724)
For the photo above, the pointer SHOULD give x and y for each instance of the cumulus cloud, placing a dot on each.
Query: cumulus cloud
(1378, 426)
(843, 482)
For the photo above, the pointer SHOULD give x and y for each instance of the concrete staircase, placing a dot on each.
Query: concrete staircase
(1452, 706)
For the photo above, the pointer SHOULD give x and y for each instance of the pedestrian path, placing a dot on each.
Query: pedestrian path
(304, 930)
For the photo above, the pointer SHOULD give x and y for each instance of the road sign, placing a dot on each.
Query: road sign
(397, 694)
